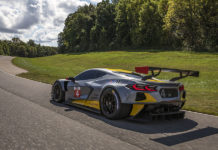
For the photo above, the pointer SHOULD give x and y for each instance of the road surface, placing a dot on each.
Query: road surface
(30, 120)
(7, 66)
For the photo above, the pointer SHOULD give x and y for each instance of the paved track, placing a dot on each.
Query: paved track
(29, 120)
(7, 66)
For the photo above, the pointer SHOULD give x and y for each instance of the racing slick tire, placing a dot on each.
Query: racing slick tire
(111, 106)
(58, 95)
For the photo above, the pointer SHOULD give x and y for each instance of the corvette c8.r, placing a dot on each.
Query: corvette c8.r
(118, 93)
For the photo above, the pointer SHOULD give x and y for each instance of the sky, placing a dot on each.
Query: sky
(39, 20)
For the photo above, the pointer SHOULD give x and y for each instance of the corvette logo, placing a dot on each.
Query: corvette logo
(76, 92)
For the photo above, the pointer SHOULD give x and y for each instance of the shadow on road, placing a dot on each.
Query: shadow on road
(185, 137)
(146, 127)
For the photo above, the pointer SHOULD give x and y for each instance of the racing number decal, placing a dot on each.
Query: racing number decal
(76, 92)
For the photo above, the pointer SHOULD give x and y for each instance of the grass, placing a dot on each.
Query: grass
(202, 92)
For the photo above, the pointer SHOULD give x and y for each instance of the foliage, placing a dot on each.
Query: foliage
(119, 24)
(76, 34)
(16, 47)
(193, 22)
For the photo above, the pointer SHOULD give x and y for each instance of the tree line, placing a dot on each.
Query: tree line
(16, 47)
(190, 24)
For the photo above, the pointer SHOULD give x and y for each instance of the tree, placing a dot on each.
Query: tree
(150, 24)
(16, 47)
(103, 32)
(32, 51)
(31, 42)
(141, 23)
(193, 22)
(1, 50)
(16, 40)
(208, 21)
(5, 48)
(132, 11)
(21, 51)
(122, 28)
(138, 23)
(76, 34)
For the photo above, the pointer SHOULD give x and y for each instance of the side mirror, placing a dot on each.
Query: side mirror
(71, 79)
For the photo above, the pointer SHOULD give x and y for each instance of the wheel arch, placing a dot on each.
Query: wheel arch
(109, 86)
(63, 83)
(124, 109)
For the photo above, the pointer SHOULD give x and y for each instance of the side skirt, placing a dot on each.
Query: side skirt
(89, 105)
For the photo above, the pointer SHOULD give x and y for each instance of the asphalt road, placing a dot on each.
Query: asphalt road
(7, 66)
(29, 120)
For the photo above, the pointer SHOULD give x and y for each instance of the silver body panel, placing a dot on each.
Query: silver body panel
(91, 89)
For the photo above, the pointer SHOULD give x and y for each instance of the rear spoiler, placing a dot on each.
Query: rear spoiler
(158, 70)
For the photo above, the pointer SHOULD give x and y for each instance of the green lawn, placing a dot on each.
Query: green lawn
(202, 92)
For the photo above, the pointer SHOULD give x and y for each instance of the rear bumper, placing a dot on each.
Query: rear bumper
(161, 110)
(168, 116)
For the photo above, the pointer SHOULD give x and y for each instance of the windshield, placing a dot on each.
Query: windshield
(132, 75)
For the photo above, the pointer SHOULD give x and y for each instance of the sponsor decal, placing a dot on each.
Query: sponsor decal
(118, 81)
(77, 92)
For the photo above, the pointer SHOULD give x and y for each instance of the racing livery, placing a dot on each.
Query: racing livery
(118, 93)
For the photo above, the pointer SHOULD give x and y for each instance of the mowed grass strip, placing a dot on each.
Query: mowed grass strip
(202, 92)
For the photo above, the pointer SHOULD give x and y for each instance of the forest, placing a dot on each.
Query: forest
(122, 24)
(16, 47)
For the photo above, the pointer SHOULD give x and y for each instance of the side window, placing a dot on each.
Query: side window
(91, 74)
(99, 74)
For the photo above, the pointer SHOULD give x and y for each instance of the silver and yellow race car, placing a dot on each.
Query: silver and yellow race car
(118, 93)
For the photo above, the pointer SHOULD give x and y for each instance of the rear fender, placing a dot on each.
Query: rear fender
(119, 89)
(108, 86)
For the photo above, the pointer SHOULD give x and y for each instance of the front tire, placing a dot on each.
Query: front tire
(58, 95)
(111, 106)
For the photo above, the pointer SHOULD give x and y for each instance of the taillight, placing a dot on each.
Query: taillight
(181, 88)
(150, 88)
(139, 87)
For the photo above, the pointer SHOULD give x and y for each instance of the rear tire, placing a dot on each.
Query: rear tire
(111, 106)
(58, 95)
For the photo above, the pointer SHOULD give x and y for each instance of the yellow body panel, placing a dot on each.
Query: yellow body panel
(155, 80)
(136, 108)
(88, 103)
(182, 99)
(149, 99)
(120, 70)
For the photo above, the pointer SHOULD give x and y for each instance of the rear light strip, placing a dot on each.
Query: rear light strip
(142, 87)
(181, 88)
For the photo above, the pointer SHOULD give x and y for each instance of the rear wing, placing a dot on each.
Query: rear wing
(155, 71)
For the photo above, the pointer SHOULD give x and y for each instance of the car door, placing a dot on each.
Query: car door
(81, 90)
(82, 86)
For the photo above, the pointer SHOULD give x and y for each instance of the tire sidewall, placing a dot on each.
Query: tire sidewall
(60, 98)
(115, 114)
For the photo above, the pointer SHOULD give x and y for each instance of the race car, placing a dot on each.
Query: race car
(118, 93)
